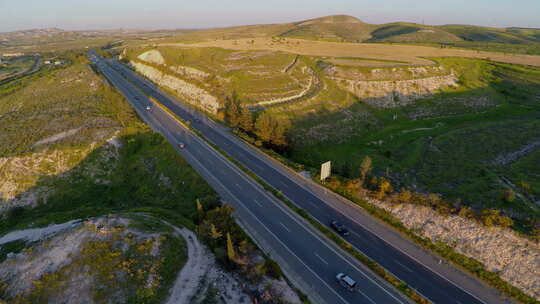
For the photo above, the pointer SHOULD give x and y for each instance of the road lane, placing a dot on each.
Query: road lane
(431, 284)
(297, 244)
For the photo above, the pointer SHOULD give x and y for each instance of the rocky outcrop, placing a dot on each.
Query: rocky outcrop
(387, 88)
(515, 258)
(190, 92)
(190, 72)
(152, 56)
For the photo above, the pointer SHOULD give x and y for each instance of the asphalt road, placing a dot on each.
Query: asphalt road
(310, 260)
(435, 286)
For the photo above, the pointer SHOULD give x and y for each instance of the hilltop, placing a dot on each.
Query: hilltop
(345, 28)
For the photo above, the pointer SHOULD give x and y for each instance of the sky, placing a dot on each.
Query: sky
(177, 14)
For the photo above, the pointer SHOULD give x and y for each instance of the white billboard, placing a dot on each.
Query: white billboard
(325, 170)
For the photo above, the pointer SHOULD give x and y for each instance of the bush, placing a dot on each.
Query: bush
(273, 269)
(492, 217)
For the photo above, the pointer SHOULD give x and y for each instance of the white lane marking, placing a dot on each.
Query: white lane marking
(276, 166)
(284, 185)
(321, 258)
(238, 186)
(406, 268)
(284, 226)
(257, 202)
(267, 229)
(365, 296)
(286, 211)
(292, 216)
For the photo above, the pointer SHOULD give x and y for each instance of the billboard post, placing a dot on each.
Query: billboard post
(325, 170)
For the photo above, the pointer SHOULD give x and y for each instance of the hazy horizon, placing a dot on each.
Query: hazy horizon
(168, 15)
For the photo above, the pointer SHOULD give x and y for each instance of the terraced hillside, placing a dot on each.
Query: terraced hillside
(207, 76)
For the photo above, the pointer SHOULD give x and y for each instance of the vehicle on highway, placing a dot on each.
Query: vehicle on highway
(137, 98)
(148, 108)
(339, 228)
(346, 281)
(181, 145)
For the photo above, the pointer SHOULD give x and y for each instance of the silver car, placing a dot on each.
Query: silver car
(346, 281)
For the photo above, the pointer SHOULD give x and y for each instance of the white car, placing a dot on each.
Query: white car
(148, 108)
(346, 281)
(181, 145)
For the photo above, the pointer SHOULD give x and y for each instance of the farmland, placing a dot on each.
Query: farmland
(411, 54)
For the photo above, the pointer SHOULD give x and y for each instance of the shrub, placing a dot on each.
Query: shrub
(492, 217)
(509, 195)
(273, 269)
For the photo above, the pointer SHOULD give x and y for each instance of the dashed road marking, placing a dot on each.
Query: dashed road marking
(406, 268)
(258, 203)
(284, 226)
(365, 296)
(320, 258)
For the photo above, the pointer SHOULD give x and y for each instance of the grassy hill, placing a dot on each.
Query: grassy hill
(345, 28)
(350, 29)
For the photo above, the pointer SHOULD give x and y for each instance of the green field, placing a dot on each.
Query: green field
(15, 66)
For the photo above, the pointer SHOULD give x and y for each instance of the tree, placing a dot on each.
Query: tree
(270, 130)
(232, 110)
(230, 248)
(200, 210)
(214, 233)
(245, 119)
(365, 168)
(199, 206)
(405, 196)
(509, 195)
(384, 187)
(491, 217)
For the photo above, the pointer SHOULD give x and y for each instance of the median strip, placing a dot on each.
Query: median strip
(365, 260)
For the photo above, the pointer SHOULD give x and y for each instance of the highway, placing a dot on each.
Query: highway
(308, 259)
(438, 283)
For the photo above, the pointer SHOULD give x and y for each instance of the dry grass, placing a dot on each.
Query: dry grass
(411, 54)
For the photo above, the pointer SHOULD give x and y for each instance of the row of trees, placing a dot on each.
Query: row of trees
(265, 127)
(380, 188)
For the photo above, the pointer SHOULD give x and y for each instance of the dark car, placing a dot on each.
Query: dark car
(339, 228)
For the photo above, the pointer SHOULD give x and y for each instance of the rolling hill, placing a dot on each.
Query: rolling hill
(351, 29)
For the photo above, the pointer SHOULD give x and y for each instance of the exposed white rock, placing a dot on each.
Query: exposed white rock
(515, 258)
(152, 56)
(193, 94)
(387, 94)
(189, 72)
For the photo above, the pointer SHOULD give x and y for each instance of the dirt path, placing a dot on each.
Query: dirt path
(189, 278)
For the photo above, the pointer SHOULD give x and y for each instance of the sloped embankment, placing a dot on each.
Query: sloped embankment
(515, 258)
(192, 93)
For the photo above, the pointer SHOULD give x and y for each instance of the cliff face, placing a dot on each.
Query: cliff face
(190, 92)
(387, 88)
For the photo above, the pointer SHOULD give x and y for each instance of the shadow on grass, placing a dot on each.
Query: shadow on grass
(148, 176)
